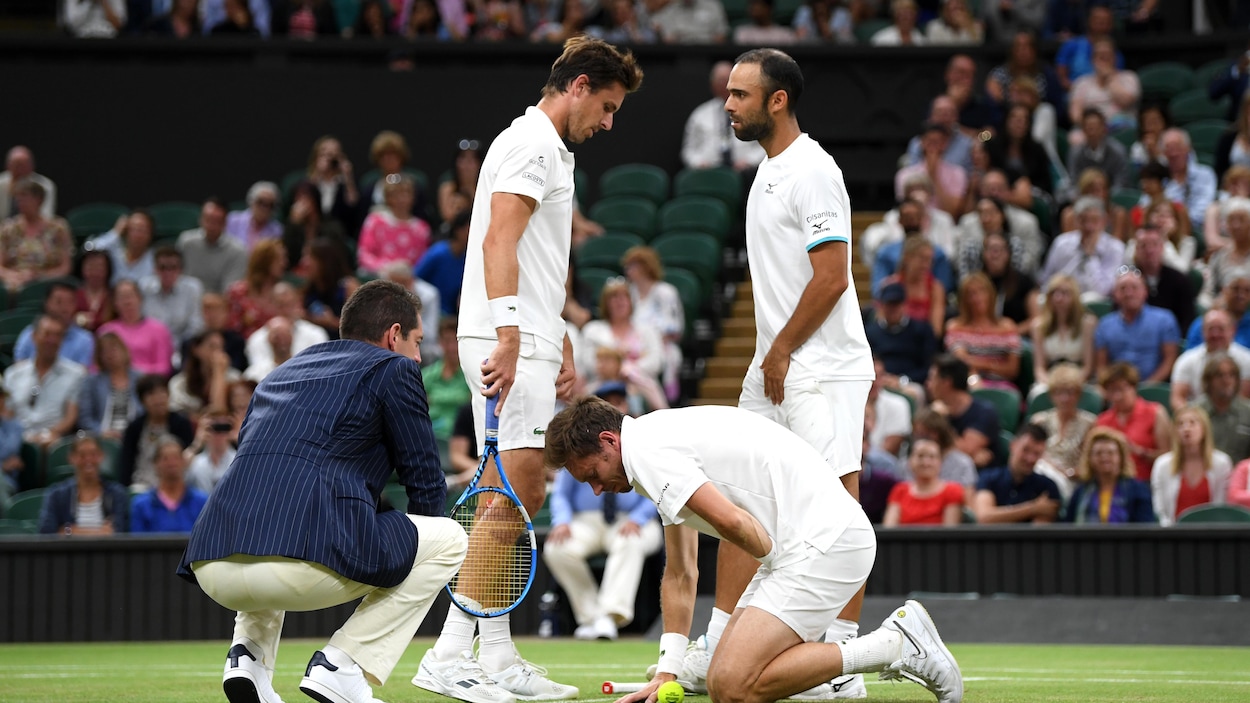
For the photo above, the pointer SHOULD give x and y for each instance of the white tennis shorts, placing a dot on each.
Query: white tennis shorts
(829, 415)
(531, 401)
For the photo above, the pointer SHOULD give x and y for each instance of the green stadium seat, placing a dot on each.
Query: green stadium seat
(1090, 401)
(696, 213)
(1045, 215)
(605, 251)
(13, 322)
(1204, 134)
(1206, 74)
(18, 527)
(1165, 79)
(735, 11)
(25, 505)
(175, 217)
(691, 291)
(1160, 393)
(59, 473)
(1007, 404)
(1125, 137)
(594, 278)
(1194, 105)
(693, 251)
(1214, 513)
(94, 218)
(724, 184)
(32, 466)
(783, 11)
(864, 30)
(626, 214)
(636, 181)
(32, 294)
(1126, 197)
(581, 186)
(1098, 307)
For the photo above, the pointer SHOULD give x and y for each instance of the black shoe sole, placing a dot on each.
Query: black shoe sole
(240, 690)
(313, 695)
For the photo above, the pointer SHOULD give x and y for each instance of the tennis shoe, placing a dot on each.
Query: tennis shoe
(247, 680)
(925, 660)
(529, 682)
(326, 683)
(461, 678)
(843, 687)
(694, 666)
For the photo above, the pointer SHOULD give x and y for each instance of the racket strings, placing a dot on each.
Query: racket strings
(497, 567)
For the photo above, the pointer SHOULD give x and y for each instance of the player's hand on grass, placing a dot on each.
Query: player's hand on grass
(775, 367)
(499, 369)
(648, 694)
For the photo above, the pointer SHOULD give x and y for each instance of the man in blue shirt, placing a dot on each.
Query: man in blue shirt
(1142, 335)
(59, 303)
(1014, 493)
(172, 506)
(443, 264)
(911, 219)
(1235, 300)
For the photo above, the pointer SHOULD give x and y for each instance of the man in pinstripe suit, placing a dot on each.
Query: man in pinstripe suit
(294, 523)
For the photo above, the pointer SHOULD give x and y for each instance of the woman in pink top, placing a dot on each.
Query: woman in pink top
(1239, 485)
(393, 234)
(150, 344)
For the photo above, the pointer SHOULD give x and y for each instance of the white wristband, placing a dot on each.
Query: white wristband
(505, 311)
(672, 652)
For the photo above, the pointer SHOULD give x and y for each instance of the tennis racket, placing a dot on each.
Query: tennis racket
(499, 567)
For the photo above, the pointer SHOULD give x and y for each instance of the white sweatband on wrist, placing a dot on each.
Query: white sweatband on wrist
(672, 652)
(505, 311)
(767, 559)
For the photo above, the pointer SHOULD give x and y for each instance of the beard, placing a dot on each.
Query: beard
(753, 128)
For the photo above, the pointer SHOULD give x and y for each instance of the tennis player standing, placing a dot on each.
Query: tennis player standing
(518, 257)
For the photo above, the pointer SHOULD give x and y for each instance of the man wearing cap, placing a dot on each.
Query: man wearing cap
(904, 345)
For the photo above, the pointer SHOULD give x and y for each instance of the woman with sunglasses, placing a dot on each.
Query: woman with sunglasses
(259, 220)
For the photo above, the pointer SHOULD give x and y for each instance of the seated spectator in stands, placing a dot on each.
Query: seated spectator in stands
(624, 526)
(205, 376)
(180, 21)
(304, 333)
(171, 505)
(148, 339)
(1167, 287)
(330, 284)
(1179, 244)
(44, 388)
(1233, 147)
(708, 141)
(955, 25)
(976, 112)
(905, 345)
(87, 504)
(107, 401)
(248, 227)
(1045, 129)
(1152, 121)
(974, 420)
(137, 464)
(11, 463)
(1003, 20)
(305, 225)
(936, 225)
(1233, 260)
(957, 466)
(278, 335)
(950, 181)
(1097, 150)
(1235, 300)
(1217, 334)
(943, 112)
(657, 305)
(1194, 473)
(304, 19)
(19, 165)
(903, 31)
(879, 474)
(94, 19)
(1144, 423)
(1137, 333)
(989, 219)
(211, 452)
(1027, 243)
(32, 247)
(389, 152)
(216, 314)
(1090, 255)
(1109, 90)
(444, 381)
(622, 25)
(1229, 412)
(819, 21)
(888, 257)
(760, 29)
(223, 17)
(1015, 492)
(1107, 492)
(981, 338)
(924, 296)
(1016, 290)
(131, 249)
(251, 300)
(455, 195)
(331, 175)
(443, 264)
(571, 22)
(1063, 332)
(1076, 55)
(1235, 184)
(1023, 59)
(1189, 182)
(172, 298)
(925, 499)
(691, 22)
(1093, 183)
(93, 301)
(1020, 157)
(393, 234)
(462, 451)
(210, 257)
(1066, 425)
(371, 22)
(428, 20)
(892, 412)
(642, 346)
(401, 273)
(240, 398)
(59, 303)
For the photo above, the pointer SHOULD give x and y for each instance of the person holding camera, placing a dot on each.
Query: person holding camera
(211, 452)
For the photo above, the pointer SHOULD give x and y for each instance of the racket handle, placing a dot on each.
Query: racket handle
(492, 422)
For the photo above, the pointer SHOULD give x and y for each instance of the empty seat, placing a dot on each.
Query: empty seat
(696, 213)
(1163, 80)
(94, 218)
(635, 180)
(626, 214)
(724, 184)
(606, 251)
(1194, 105)
(693, 251)
(173, 218)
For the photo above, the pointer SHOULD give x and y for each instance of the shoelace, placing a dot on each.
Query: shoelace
(470, 668)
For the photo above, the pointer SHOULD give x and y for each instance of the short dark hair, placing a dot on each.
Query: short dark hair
(1093, 112)
(934, 127)
(1153, 170)
(574, 432)
(165, 251)
(602, 63)
(1033, 431)
(148, 383)
(778, 71)
(461, 219)
(953, 369)
(374, 307)
(216, 201)
(59, 284)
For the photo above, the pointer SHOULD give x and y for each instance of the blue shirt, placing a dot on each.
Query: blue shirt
(445, 271)
(1194, 337)
(888, 256)
(1139, 342)
(149, 514)
(1077, 54)
(568, 496)
(78, 346)
(1006, 491)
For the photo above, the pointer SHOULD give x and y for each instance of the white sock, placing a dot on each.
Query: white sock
(872, 652)
(457, 635)
(497, 652)
(338, 657)
(842, 630)
(716, 628)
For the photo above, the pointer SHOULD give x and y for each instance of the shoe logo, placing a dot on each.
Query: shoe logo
(920, 652)
(902, 614)
(319, 659)
(837, 685)
(237, 652)
(539, 430)
(468, 683)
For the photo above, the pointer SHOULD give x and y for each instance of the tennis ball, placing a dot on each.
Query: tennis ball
(670, 692)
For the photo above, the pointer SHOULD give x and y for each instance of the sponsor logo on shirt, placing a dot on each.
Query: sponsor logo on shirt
(769, 189)
(820, 220)
(663, 490)
(540, 162)
(531, 177)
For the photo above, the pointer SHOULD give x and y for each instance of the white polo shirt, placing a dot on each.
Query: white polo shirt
(754, 462)
(528, 158)
(798, 202)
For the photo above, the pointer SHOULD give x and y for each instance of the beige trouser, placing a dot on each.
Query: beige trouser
(261, 589)
(590, 535)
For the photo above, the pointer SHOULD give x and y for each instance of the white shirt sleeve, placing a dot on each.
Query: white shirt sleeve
(667, 477)
(820, 203)
(524, 170)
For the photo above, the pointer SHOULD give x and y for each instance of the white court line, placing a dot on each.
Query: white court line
(1031, 670)
(1078, 679)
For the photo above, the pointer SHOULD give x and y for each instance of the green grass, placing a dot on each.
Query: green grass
(190, 672)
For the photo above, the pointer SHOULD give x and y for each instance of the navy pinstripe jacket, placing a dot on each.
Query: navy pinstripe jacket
(320, 439)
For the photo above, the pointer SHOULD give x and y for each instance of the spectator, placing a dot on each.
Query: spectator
(216, 314)
(1089, 254)
(19, 166)
(903, 31)
(443, 264)
(1022, 59)
(205, 376)
(950, 181)
(180, 21)
(455, 195)
(926, 499)
(32, 246)
(761, 30)
(1016, 492)
(1093, 183)
(330, 284)
(389, 152)
(303, 19)
(1076, 55)
(1152, 121)
(86, 504)
(1233, 147)
(657, 305)
(691, 22)
(1045, 129)
(44, 388)
(93, 301)
(278, 334)
(248, 227)
(236, 17)
(1142, 335)
(107, 402)
(132, 250)
(892, 413)
(251, 300)
(331, 175)
(1179, 245)
(137, 464)
(1228, 411)
(1194, 473)
(571, 22)
(625, 26)
(978, 336)
(304, 334)
(976, 112)
(624, 526)
(172, 298)
(171, 505)
(148, 339)
(240, 398)
(1108, 89)
(1239, 486)
(1107, 492)
(1020, 158)
(94, 19)
(1144, 423)
(211, 451)
(888, 257)
(639, 392)
(974, 420)
(1236, 182)
(943, 112)
(1066, 425)
(990, 220)
(708, 140)
(824, 21)
(438, 21)
(305, 225)
(1096, 150)
(401, 273)
(444, 381)
(955, 25)
(924, 296)
(1027, 243)
(1232, 82)
(393, 234)
(957, 467)
(11, 464)
(1217, 334)
(371, 22)
(641, 345)
(936, 225)
(216, 260)
(1233, 260)
(1004, 20)
(1167, 287)
(1063, 332)
(904, 344)
(58, 304)
(878, 475)
(1016, 291)
(1189, 182)
(1235, 299)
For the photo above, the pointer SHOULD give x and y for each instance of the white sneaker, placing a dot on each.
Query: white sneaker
(842, 687)
(693, 675)
(605, 628)
(586, 632)
(925, 660)
(246, 680)
(529, 682)
(461, 678)
(326, 683)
